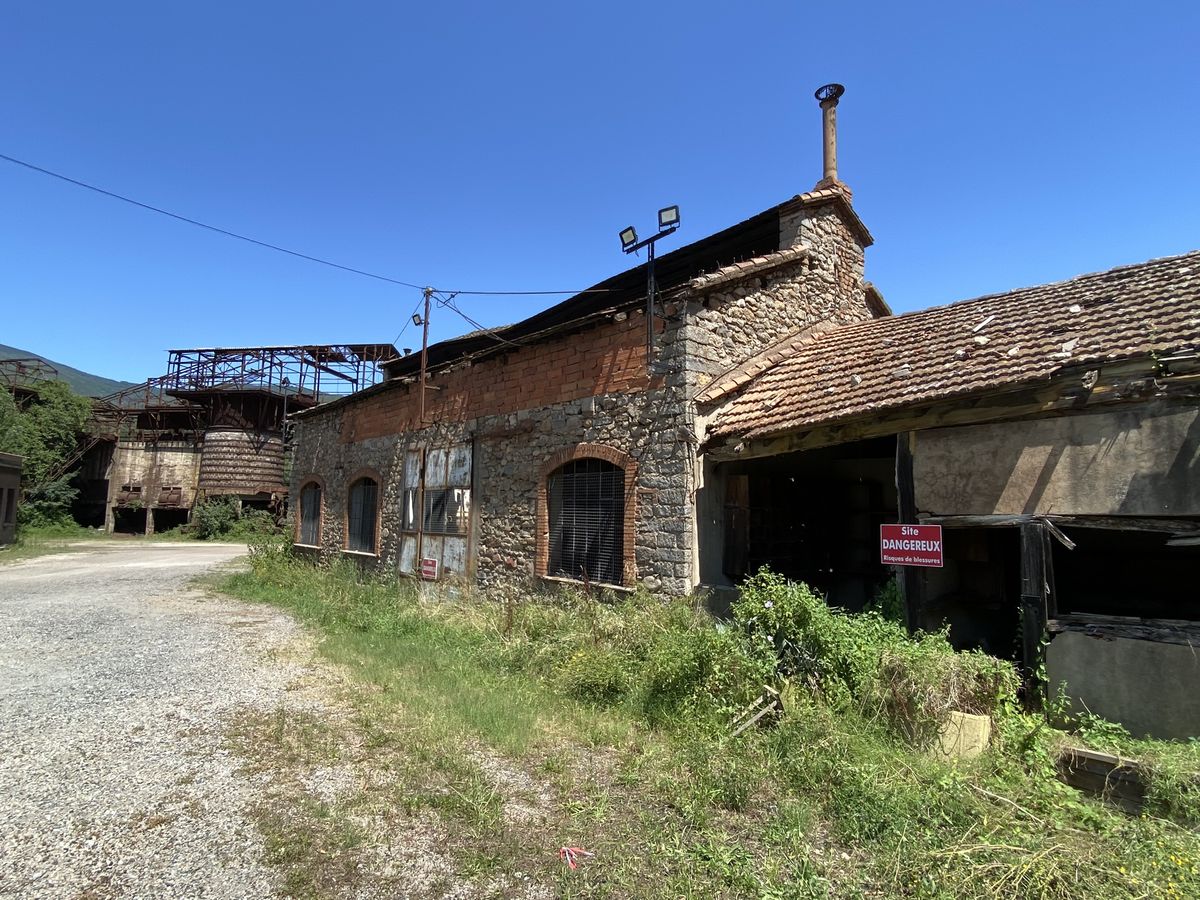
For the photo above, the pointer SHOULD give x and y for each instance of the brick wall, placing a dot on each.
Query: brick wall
(525, 409)
(605, 359)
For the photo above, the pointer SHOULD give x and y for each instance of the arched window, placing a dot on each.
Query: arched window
(310, 514)
(585, 501)
(361, 516)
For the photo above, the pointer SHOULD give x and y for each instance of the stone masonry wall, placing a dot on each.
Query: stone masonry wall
(727, 325)
(512, 443)
(522, 408)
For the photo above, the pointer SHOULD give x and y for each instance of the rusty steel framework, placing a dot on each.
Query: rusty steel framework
(304, 374)
(24, 371)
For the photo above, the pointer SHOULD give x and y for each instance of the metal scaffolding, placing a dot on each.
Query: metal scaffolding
(306, 374)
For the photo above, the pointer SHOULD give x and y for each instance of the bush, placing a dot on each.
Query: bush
(220, 517)
(863, 659)
(214, 518)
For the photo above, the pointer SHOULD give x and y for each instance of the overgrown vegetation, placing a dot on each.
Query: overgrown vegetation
(620, 710)
(45, 433)
(223, 518)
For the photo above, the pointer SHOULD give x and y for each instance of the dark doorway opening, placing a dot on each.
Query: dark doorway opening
(978, 590)
(812, 516)
(166, 519)
(129, 521)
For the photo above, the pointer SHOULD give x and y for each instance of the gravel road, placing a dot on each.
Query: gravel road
(117, 682)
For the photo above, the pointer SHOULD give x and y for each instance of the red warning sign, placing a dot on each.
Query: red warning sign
(429, 569)
(910, 545)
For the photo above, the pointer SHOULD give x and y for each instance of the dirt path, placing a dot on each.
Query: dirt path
(129, 705)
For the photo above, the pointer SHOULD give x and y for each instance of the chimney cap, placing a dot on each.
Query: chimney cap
(830, 92)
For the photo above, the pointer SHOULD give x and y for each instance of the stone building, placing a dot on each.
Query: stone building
(781, 417)
(212, 427)
(10, 496)
(563, 447)
(1052, 432)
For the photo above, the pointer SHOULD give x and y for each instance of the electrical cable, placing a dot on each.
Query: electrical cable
(199, 224)
(269, 246)
(407, 322)
(448, 302)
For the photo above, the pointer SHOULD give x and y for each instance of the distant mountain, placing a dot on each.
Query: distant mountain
(84, 383)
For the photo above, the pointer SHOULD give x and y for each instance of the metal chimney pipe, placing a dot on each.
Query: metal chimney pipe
(828, 96)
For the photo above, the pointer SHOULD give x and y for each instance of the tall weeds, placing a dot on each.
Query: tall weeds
(842, 768)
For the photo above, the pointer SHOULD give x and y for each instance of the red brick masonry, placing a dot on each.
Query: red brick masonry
(610, 358)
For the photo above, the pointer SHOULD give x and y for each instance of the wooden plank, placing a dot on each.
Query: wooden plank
(762, 712)
(1034, 590)
(1183, 528)
(1114, 779)
(910, 579)
(1163, 631)
(735, 561)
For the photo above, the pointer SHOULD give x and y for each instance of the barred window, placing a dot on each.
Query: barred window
(447, 510)
(361, 518)
(586, 506)
(310, 514)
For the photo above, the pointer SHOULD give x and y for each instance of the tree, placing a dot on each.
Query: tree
(44, 434)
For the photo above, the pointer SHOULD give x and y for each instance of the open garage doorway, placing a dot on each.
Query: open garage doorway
(166, 518)
(127, 520)
(812, 516)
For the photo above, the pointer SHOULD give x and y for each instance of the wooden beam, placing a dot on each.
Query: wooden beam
(1061, 397)
(1185, 528)
(910, 579)
(1163, 631)
(1035, 591)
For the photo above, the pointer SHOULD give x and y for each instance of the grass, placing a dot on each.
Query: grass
(527, 723)
(39, 541)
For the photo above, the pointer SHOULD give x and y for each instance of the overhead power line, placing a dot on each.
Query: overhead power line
(449, 303)
(270, 246)
(199, 224)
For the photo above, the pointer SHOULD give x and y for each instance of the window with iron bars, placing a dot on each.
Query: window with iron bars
(310, 514)
(586, 506)
(361, 519)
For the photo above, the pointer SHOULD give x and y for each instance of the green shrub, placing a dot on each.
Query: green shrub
(214, 518)
(911, 683)
(222, 517)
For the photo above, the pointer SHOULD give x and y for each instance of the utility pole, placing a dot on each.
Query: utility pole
(424, 350)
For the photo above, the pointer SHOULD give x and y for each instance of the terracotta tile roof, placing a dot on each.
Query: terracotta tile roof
(987, 344)
(741, 375)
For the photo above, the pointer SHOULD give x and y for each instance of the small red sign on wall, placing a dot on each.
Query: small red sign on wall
(910, 545)
(429, 569)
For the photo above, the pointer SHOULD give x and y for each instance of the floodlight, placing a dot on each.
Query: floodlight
(416, 318)
(628, 237)
(669, 217)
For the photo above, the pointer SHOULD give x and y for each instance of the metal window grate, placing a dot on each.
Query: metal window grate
(447, 510)
(310, 515)
(362, 515)
(586, 501)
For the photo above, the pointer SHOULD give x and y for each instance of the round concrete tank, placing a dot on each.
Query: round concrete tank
(241, 462)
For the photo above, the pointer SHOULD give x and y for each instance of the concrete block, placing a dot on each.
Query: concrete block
(963, 736)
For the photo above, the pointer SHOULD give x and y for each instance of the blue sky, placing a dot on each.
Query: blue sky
(502, 146)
